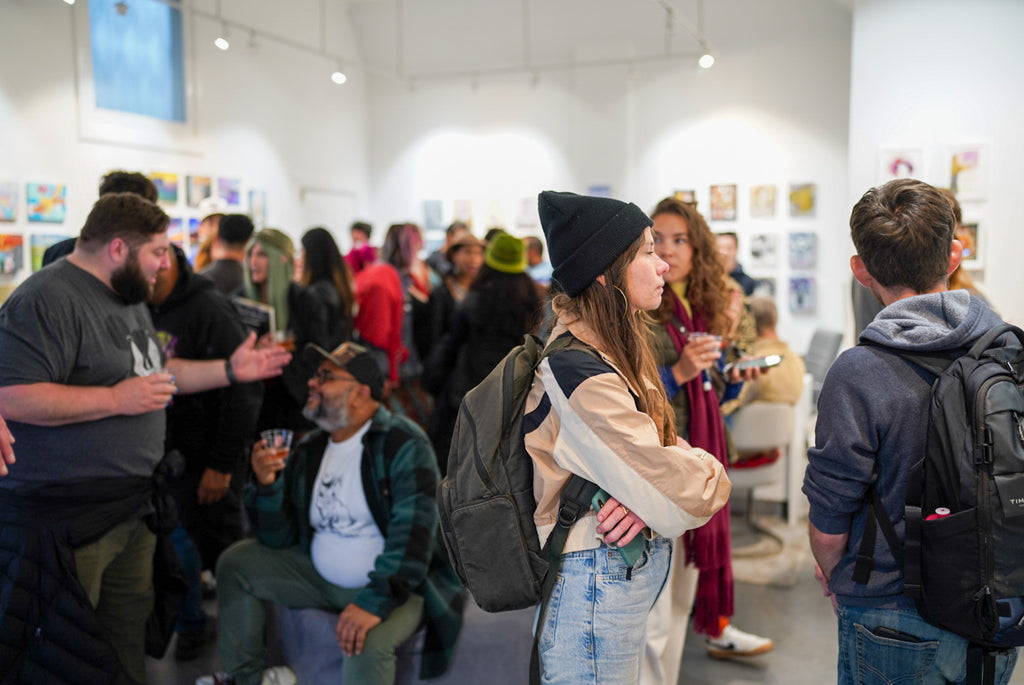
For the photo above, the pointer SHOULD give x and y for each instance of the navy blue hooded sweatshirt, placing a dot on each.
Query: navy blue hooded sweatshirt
(872, 423)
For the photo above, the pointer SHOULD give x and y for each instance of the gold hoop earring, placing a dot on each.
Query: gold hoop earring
(625, 301)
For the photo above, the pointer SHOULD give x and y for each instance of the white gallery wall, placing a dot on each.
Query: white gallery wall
(773, 110)
(268, 116)
(930, 74)
(804, 91)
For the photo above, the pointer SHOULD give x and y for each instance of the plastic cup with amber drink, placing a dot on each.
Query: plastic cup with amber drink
(285, 340)
(278, 441)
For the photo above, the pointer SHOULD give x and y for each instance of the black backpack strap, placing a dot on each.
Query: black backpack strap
(981, 665)
(574, 503)
(877, 518)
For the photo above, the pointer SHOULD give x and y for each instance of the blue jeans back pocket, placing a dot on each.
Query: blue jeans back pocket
(891, 660)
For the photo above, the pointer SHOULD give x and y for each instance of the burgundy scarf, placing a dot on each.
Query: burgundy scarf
(706, 547)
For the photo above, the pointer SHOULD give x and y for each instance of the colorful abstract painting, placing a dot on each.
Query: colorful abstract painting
(968, 235)
(896, 163)
(39, 242)
(802, 199)
(12, 256)
(687, 196)
(176, 232)
(968, 172)
(197, 189)
(723, 202)
(229, 190)
(45, 202)
(8, 201)
(802, 295)
(166, 187)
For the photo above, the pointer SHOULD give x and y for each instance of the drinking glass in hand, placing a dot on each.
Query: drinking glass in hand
(278, 441)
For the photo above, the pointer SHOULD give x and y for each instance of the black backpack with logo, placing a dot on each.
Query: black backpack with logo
(965, 568)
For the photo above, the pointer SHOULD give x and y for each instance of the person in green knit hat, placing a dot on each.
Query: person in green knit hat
(501, 306)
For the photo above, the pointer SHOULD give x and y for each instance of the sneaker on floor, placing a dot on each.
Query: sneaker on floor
(216, 679)
(209, 583)
(279, 675)
(734, 642)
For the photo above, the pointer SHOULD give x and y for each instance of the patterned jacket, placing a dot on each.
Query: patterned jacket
(400, 477)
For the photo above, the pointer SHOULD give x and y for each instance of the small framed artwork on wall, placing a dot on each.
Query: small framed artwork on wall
(802, 295)
(899, 162)
(803, 250)
(762, 202)
(970, 236)
(968, 171)
(802, 199)
(723, 202)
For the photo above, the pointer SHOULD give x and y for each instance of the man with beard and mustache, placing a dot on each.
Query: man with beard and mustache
(348, 520)
(84, 385)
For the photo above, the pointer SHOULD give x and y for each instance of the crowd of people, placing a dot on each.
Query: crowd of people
(136, 385)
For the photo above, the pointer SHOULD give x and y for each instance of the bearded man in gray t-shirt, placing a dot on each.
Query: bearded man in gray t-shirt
(84, 385)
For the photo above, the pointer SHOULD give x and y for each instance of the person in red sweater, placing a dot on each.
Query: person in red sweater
(378, 319)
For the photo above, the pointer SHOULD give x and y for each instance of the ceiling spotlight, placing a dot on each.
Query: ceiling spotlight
(338, 76)
(70, 2)
(706, 61)
(222, 38)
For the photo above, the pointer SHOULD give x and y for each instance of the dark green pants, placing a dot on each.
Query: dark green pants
(249, 573)
(117, 574)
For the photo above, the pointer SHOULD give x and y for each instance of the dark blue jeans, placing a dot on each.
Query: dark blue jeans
(192, 618)
(917, 653)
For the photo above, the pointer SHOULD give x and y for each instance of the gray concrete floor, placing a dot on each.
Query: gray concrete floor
(798, 619)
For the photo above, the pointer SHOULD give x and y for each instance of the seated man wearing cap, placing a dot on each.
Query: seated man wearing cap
(347, 521)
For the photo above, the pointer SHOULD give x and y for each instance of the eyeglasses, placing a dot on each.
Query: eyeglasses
(323, 376)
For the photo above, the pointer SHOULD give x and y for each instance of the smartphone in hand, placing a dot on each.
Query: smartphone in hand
(759, 362)
(630, 553)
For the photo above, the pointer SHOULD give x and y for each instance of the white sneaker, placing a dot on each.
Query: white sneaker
(734, 642)
(279, 675)
(276, 675)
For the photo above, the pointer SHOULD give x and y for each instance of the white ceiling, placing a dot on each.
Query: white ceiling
(418, 39)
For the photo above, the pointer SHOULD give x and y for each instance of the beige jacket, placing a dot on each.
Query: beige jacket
(582, 418)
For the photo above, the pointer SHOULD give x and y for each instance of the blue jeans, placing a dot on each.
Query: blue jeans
(192, 618)
(937, 657)
(596, 620)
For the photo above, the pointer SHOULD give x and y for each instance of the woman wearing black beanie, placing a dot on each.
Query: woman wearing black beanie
(596, 409)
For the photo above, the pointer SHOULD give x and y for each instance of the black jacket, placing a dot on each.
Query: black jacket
(318, 317)
(49, 633)
(211, 429)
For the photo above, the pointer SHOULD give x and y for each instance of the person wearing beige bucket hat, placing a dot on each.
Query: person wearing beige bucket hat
(465, 252)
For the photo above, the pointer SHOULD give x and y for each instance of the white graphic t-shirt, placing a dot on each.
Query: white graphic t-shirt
(346, 540)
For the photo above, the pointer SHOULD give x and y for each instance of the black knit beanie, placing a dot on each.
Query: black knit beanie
(586, 234)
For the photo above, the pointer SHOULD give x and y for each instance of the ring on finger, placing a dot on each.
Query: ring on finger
(625, 511)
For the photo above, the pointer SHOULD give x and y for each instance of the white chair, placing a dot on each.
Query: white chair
(756, 428)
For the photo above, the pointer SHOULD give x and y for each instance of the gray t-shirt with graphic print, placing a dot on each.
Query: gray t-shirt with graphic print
(65, 326)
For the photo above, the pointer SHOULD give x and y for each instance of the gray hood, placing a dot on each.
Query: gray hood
(930, 323)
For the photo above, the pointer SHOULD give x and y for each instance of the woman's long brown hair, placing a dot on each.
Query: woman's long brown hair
(705, 288)
(624, 336)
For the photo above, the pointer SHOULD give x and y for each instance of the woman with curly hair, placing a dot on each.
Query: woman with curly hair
(699, 309)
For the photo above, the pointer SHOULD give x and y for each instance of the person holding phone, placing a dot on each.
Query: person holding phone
(697, 300)
(596, 410)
